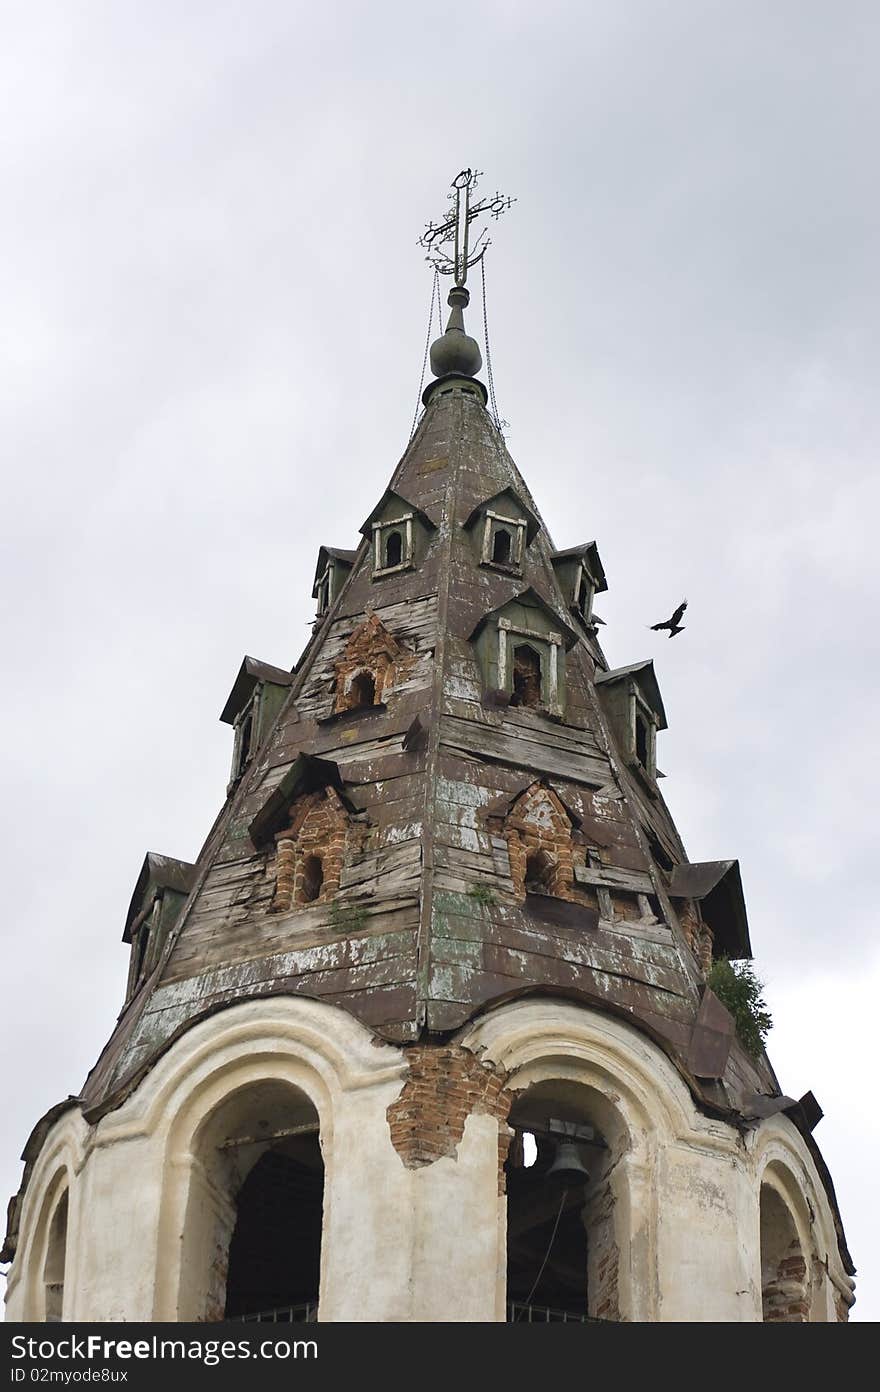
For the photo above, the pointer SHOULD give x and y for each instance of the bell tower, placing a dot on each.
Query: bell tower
(424, 1033)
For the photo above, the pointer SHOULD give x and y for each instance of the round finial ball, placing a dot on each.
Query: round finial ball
(456, 352)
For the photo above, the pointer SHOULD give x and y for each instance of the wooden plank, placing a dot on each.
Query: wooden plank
(493, 746)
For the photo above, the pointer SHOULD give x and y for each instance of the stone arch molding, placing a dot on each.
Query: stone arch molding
(55, 1175)
(636, 1099)
(782, 1163)
(312, 1050)
(134, 1170)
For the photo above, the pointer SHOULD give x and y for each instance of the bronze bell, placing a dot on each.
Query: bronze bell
(568, 1167)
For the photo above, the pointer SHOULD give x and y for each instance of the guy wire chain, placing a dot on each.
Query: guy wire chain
(435, 294)
(492, 400)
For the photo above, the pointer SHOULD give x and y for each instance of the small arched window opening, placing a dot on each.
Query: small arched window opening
(643, 742)
(362, 691)
(501, 546)
(56, 1257)
(539, 872)
(393, 549)
(312, 879)
(526, 677)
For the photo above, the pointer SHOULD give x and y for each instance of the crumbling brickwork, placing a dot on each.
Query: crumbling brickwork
(697, 932)
(785, 1295)
(603, 1257)
(539, 843)
(444, 1086)
(373, 657)
(317, 832)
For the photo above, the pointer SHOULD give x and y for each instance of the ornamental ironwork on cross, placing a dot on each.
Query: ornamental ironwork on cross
(448, 242)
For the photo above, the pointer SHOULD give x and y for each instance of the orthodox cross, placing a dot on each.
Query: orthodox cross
(448, 242)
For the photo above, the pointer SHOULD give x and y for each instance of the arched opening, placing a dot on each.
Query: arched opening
(393, 549)
(311, 879)
(501, 546)
(526, 677)
(252, 1236)
(53, 1267)
(784, 1293)
(562, 1256)
(362, 691)
(540, 866)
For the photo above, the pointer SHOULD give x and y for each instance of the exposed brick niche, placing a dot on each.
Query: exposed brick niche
(372, 663)
(445, 1084)
(310, 850)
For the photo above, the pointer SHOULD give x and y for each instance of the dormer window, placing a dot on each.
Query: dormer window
(632, 702)
(252, 705)
(331, 572)
(393, 545)
(160, 893)
(399, 533)
(521, 647)
(504, 541)
(501, 529)
(581, 577)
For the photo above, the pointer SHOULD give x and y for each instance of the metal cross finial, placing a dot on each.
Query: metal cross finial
(453, 231)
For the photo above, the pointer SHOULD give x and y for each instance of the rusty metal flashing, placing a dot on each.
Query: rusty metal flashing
(711, 1038)
(717, 886)
(304, 775)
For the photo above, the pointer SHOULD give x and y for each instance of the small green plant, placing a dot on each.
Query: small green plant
(482, 893)
(742, 992)
(347, 918)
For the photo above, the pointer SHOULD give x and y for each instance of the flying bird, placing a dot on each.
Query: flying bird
(672, 624)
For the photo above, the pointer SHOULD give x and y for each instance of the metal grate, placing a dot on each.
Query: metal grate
(306, 1313)
(518, 1313)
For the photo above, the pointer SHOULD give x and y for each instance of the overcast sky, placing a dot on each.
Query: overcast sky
(212, 328)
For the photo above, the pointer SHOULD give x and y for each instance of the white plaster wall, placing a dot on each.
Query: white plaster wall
(456, 1206)
(706, 1239)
